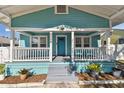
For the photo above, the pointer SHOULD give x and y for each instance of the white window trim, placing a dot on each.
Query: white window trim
(65, 43)
(75, 41)
(67, 10)
(39, 40)
(82, 40)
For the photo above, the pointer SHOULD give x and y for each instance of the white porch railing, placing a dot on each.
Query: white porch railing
(93, 54)
(31, 54)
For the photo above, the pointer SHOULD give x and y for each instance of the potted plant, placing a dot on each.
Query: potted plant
(94, 70)
(117, 72)
(2, 70)
(23, 73)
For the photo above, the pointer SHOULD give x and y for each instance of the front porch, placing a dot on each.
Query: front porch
(46, 46)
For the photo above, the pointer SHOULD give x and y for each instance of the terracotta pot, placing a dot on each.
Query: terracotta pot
(23, 76)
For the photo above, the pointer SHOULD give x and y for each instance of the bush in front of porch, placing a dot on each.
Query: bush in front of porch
(2, 70)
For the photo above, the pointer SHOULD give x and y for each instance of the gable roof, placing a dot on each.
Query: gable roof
(113, 12)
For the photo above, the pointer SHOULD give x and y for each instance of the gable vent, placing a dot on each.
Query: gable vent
(61, 9)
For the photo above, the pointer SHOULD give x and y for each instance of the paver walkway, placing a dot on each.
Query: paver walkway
(61, 85)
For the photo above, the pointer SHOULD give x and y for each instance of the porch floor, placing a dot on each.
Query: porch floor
(61, 59)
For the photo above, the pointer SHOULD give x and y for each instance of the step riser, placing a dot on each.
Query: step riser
(59, 73)
(34, 68)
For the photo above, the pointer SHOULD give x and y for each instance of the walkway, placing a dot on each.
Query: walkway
(61, 85)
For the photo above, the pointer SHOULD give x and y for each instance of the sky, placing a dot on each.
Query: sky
(120, 26)
(5, 33)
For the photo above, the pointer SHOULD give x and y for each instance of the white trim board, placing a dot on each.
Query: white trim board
(24, 33)
(65, 43)
(54, 29)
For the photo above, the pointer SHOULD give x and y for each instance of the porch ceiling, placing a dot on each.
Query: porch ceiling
(113, 12)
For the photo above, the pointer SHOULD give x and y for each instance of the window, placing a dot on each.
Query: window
(82, 41)
(121, 40)
(86, 42)
(104, 43)
(78, 42)
(34, 41)
(43, 41)
(39, 41)
(61, 9)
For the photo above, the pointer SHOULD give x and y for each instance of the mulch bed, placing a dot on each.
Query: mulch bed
(16, 79)
(103, 86)
(87, 77)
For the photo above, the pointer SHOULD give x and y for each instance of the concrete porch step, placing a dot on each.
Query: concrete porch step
(60, 78)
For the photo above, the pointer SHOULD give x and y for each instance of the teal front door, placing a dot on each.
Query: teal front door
(61, 46)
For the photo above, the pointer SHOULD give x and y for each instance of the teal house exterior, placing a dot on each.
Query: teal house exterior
(60, 31)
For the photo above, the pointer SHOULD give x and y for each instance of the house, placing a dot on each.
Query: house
(117, 42)
(66, 31)
(5, 42)
(117, 36)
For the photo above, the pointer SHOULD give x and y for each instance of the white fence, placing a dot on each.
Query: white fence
(90, 54)
(31, 54)
(118, 51)
(4, 54)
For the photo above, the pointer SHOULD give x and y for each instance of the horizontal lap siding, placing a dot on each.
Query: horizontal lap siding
(95, 40)
(106, 66)
(83, 33)
(33, 67)
(47, 18)
(24, 40)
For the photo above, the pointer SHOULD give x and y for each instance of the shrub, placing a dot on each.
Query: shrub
(2, 68)
(94, 67)
(23, 71)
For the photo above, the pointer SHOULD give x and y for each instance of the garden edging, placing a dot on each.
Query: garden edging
(23, 85)
(100, 82)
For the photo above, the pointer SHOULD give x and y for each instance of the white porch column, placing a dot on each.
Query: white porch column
(72, 46)
(99, 43)
(108, 45)
(108, 38)
(12, 44)
(50, 52)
